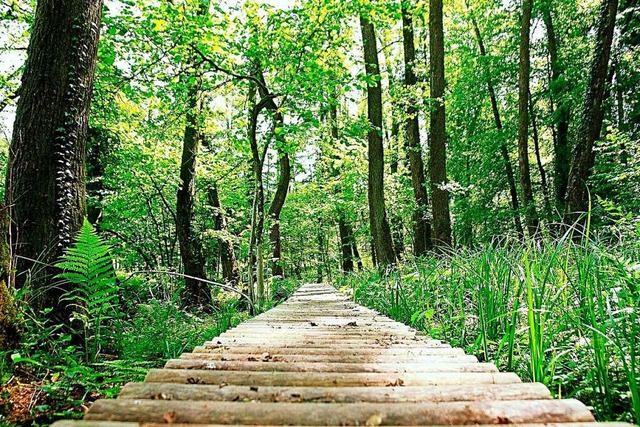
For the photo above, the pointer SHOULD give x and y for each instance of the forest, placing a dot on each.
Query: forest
(173, 167)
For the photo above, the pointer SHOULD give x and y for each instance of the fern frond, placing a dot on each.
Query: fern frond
(88, 266)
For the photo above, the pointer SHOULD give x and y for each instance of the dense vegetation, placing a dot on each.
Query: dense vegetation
(470, 167)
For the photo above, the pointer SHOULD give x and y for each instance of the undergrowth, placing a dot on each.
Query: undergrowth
(123, 327)
(554, 311)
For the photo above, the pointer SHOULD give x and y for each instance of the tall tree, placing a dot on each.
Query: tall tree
(45, 188)
(504, 151)
(437, 129)
(421, 223)
(577, 198)
(196, 292)
(561, 114)
(523, 121)
(380, 231)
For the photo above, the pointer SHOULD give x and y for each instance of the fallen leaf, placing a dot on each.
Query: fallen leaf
(170, 417)
(374, 420)
(160, 396)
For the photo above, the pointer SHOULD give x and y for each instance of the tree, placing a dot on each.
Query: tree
(504, 151)
(380, 231)
(437, 129)
(577, 199)
(46, 177)
(421, 223)
(558, 86)
(196, 293)
(523, 121)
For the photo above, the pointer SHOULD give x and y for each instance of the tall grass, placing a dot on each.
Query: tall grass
(559, 312)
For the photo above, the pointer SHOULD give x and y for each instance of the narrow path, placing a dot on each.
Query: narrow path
(320, 359)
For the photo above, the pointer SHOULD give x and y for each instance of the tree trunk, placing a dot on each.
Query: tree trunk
(437, 129)
(196, 293)
(577, 199)
(346, 247)
(504, 151)
(421, 223)
(380, 231)
(230, 272)
(562, 112)
(45, 187)
(354, 248)
(523, 122)
(257, 223)
(541, 171)
(344, 229)
(284, 179)
(9, 324)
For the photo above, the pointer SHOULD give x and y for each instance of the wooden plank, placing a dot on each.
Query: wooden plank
(323, 344)
(342, 358)
(324, 379)
(83, 423)
(325, 414)
(329, 367)
(335, 350)
(162, 391)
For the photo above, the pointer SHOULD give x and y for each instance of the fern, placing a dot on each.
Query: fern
(87, 265)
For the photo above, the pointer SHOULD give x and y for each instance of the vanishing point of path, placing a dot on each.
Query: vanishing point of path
(321, 360)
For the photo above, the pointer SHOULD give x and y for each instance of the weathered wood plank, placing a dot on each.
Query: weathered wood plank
(329, 367)
(326, 414)
(324, 379)
(162, 391)
(329, 358)
(336, 350)
(83, 423)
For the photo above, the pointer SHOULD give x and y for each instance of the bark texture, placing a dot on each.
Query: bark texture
(45, 188)
(380, 230)
(559, 89)
(196, 293)
(230, 272)
(421, 221)
(577, 199)
(437, 129)
(523, 121)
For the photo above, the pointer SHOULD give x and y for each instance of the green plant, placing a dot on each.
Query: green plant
(88, 266)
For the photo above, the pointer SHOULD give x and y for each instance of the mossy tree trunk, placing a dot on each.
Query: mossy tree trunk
(45, 187)
(196, 293)
(9, 323)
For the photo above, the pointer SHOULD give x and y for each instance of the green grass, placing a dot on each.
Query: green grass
(559, 312)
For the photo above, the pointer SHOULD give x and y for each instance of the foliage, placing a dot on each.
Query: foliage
(558, 312)
(552, 310)
(87, 265)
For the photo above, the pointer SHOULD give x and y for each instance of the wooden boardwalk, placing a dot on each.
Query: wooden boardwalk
(320, 359)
